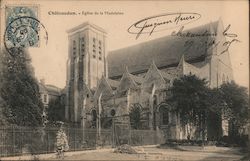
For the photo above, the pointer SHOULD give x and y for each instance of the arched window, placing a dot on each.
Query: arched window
(82, 45)
(74, 45)
(94, 117)
(164, 117)
(155, 100)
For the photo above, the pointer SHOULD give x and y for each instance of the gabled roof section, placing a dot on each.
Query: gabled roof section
(153, 76)
(165, 51)
(182, 62)
(186, 68)
(138, 80)
(104, 88)
(126, 82)
(86, 90)
(113, 83)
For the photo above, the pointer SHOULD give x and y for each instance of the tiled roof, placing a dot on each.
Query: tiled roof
(165, 51)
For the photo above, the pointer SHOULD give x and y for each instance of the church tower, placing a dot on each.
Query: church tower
(86, 64)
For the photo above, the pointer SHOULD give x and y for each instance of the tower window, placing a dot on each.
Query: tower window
(94, 50)
(74, 44)
(100, 58)
(93, 56)
(100, 52)
(93, 46)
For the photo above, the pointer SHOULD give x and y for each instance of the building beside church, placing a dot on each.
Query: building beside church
(107, 85)
(48, 93)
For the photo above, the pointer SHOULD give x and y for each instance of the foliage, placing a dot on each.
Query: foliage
(190, 95)
(19, 90)
(236, 103)
(4, 114)
(194, 100)
(56, 110)
(135, 116)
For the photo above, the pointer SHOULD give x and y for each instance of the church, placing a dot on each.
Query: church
(105, 85)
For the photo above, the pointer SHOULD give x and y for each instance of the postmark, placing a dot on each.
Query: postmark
(23, 29)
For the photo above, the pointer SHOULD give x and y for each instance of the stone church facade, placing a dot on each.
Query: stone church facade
(104, 85)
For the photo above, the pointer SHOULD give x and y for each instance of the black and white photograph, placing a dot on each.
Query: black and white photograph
(124, 80)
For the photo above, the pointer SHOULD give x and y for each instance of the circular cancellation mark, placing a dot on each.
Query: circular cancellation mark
(23, 32)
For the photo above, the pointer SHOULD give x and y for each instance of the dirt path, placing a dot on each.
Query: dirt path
(177, 154)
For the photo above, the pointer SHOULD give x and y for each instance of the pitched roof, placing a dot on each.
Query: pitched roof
(104, 88)
(50, 89)
(87, 25)
(127, 81)
(165, 51)
(113, 83)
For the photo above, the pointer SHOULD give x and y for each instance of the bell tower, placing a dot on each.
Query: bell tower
(86, 64)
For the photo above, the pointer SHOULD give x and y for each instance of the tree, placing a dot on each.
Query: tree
(19, 90)
(56, 110)
(190, 98)
(236, 104)
(135, 116)
(4, 114)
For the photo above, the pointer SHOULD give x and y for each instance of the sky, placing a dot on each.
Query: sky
(49, 60)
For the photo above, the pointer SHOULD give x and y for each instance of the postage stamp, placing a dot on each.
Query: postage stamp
(22, 27)
(14, 12)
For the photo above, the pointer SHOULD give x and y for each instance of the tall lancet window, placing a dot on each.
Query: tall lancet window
(82, 46)
(100, 49)
(73, 60)
(74, 48)
(164, 115)
(74, 45)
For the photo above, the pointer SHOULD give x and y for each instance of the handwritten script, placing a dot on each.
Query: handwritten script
(211, 43)
(162, 22)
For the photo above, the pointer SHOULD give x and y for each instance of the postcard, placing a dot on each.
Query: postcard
(124, 80)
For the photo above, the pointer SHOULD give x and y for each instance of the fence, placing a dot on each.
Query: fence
(23, 140)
